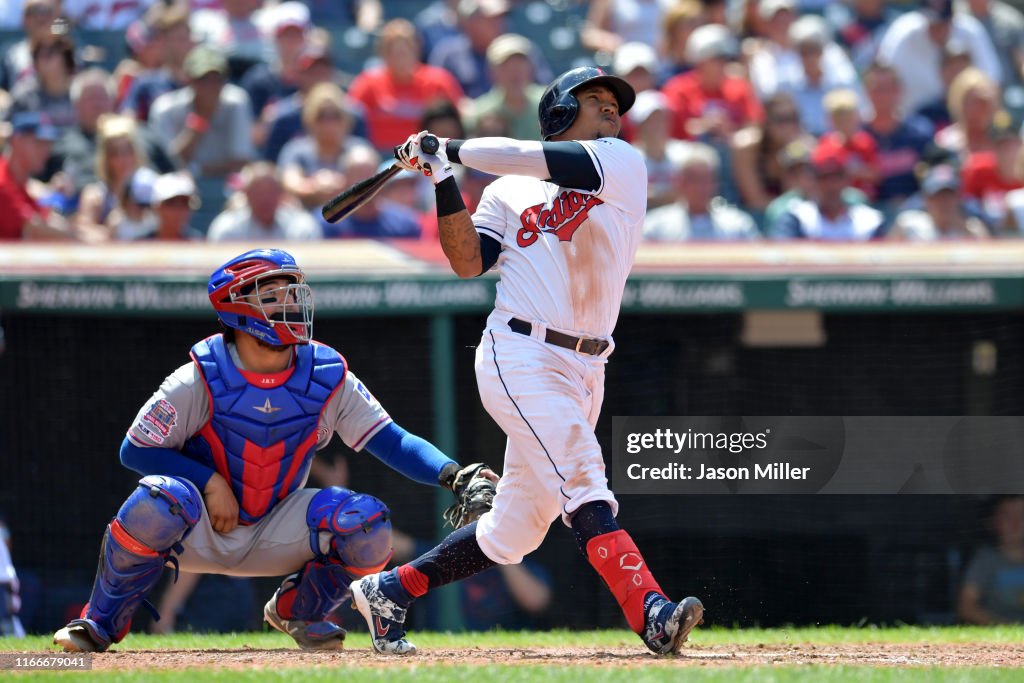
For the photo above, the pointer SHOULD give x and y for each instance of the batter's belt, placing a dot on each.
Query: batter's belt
(585, 345)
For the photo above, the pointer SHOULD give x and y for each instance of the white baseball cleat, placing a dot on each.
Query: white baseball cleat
(385, 619)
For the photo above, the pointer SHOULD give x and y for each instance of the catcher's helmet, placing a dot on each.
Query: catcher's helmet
(558, 105)
(280, 316)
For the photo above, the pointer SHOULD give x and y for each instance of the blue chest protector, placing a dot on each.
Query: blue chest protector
(262, 439)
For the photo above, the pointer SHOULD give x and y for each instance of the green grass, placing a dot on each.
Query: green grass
(524, 639)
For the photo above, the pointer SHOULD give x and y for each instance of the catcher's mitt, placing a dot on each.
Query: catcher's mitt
(474, 487)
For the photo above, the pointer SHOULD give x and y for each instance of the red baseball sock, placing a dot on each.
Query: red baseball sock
(615, 557)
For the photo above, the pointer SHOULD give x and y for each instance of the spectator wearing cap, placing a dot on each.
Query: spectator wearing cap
(48, 89)
(264, 214)
(394, 95)
(709, 102)
(757, 174)
(955, 59)
(989, 175)
(232, 31)
(610, 23)
(859, 26)
(207, 125)
(824, 215)
(637, 64)
(37, 17)
(1004, 25)
(901, 139)
(105, 15)
(842, 107)
(913, 46)
(133, 217)
(286, 26)
(798, 181)
(311, 164)
(173, 199)
(699, 214)
(973, 101)
(379, 218)
(678, 22)
(29, 137)
(515, 94)
(171, 23)
(464, 55)
(942, 216)
(814, 76)
(119, 154)
(72, 163)
(651, 120)
(146, 50)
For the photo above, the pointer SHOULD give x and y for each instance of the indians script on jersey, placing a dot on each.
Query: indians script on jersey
(562, 217)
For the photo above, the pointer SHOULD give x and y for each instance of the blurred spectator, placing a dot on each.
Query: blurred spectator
(10, 599)
(1004, 25)
(757, 174)
(173, 198)
(146, 50)
(378, 218)
(73, 155)
(37, 17)
(465, 55)
(901, 140)
(29, 138)
(119, 154)
(133, 217)
(208, 125)
(847, 133)
(913, 46)
(1013, 223)
(637, 63)
(699, 214)
(709, 102)
(437, 21)
(232, 32)
(955, 59)
(395, 94)
(264, 214)
(311, 165)
(287, 26)
(105, 15)
(824, 214)
(443, 119)
(943, 216)
(814, 76)
(176, 37)
(679, 21)
(365, 14)
(610, 23)
(990, 174)
(650, 118)
(993, 586)
(860, 25)
(48, 89)
(515, 96)
(973, 101)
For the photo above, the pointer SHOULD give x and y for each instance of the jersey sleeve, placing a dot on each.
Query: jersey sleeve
(491, 216)
(623, 174)
(174, 413)
(354, 414)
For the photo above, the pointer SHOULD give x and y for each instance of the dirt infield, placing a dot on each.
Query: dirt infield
(866, 654)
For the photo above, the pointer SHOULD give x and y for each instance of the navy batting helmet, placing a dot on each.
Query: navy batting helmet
(558, 105)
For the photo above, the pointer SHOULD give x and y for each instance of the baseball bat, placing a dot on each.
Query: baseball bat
(359, 194)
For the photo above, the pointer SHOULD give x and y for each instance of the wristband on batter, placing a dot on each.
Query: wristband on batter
(448, 198)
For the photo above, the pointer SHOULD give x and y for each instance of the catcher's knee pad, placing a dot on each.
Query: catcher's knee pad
(352, 528)
(314, 592)
(150, 524)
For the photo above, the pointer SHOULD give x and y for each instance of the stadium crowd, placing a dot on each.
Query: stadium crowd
(758, 119)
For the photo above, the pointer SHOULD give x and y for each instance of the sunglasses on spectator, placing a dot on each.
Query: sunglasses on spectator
(785, 118)
(39, 11)
(329, 115)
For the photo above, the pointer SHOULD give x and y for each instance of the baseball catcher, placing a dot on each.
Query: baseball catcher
(224, 448)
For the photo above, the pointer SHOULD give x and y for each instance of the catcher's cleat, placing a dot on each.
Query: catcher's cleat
(669, 623)
(385, 619)
(310, 635)
(82, 635)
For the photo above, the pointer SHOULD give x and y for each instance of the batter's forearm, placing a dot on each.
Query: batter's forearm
(565, 163)
(459, 239)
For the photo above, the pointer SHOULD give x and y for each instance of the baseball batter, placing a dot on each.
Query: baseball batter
(562, 225)
(225, 446)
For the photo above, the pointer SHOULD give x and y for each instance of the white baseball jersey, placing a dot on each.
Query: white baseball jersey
(566, 252)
